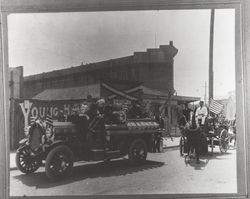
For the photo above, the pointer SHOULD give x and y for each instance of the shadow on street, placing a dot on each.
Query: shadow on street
(82, 172)
(204, 159)
(216, 155)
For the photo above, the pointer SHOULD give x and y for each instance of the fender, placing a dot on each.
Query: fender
(48, 148)
(22, 143)
(54, 144)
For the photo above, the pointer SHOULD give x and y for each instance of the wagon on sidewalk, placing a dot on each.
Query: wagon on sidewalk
(63, 144)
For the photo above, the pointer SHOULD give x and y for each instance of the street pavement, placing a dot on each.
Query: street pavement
(163, 173)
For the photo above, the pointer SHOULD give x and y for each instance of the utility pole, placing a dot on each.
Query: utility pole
(211, 44)
(155, 39)
(205, 96)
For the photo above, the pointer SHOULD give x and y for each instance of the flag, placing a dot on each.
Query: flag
(215, 107)
(49, 121)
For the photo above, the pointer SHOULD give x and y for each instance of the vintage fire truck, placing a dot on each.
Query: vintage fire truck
(59, 147)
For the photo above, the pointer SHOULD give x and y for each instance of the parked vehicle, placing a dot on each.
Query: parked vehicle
(64, 144)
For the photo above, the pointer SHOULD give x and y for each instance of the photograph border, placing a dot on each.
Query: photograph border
(242, 60)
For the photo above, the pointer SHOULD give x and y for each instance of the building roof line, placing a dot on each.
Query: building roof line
(137, 57)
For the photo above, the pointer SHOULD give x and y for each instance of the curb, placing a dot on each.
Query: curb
(13, 168)
(169, 147)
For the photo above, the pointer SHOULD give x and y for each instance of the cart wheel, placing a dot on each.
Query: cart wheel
(26, 162)
(137, 151)
(224, 141)
(59, 163)
(182, 145)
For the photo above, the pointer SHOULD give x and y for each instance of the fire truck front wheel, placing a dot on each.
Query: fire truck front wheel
(59, 163)
(26, 162)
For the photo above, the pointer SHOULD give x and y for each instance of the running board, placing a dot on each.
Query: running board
(113, 154)
(101, 154)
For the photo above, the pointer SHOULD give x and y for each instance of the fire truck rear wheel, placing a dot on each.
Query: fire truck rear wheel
(137, 152)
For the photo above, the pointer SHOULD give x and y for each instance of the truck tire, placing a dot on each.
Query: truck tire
(137, 152)
(26, 162)
(59, 163)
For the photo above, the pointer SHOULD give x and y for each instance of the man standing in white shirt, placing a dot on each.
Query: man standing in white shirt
(201, 114)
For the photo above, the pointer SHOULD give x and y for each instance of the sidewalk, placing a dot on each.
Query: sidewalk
(12, 160)
(167, 143)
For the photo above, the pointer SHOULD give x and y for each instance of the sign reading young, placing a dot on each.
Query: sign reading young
(40, 109)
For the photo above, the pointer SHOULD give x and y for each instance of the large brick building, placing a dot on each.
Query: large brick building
(152, 69)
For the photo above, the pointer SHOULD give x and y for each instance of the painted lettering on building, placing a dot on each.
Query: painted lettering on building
(40, 109)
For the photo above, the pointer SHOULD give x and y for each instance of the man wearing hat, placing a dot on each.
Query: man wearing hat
(96, 115)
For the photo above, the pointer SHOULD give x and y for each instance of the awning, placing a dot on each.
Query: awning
(78, 93)
(73, 93)
(185, 99)
(152, 93)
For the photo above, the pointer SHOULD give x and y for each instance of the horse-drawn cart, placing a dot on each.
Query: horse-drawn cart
(213, 133)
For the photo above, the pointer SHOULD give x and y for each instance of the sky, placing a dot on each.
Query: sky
(44, 42)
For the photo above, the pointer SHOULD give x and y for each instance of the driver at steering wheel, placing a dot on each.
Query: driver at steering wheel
(201, 114)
